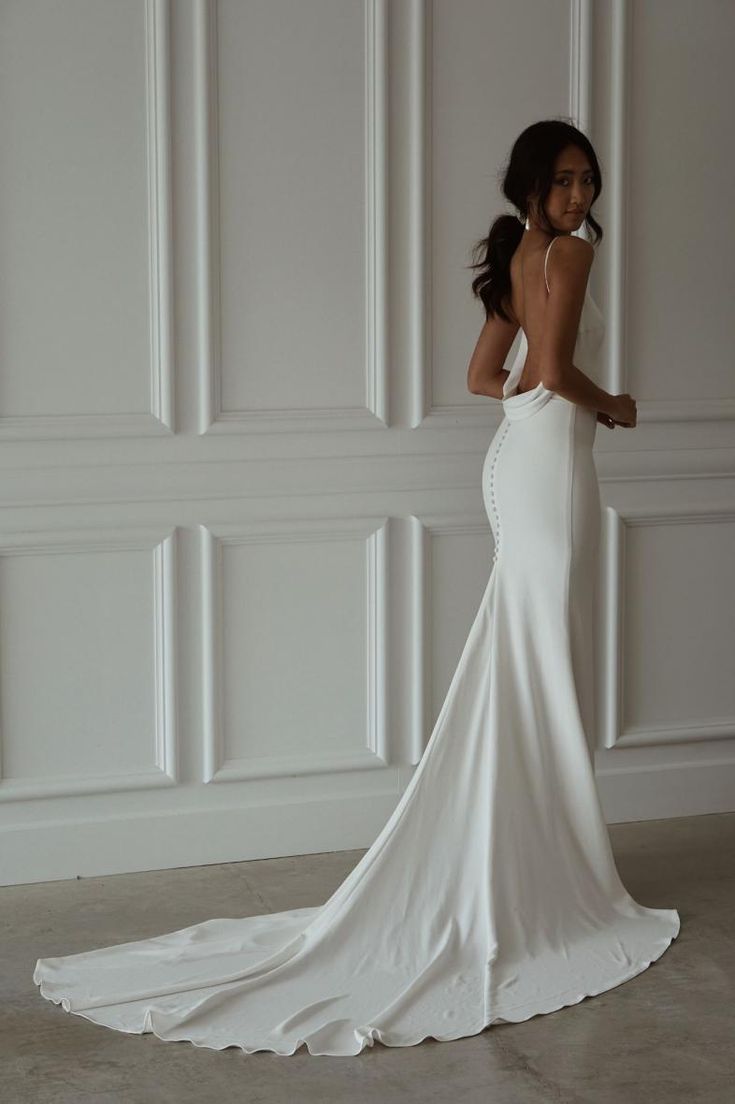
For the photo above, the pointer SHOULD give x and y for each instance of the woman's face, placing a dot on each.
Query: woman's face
(572, 189)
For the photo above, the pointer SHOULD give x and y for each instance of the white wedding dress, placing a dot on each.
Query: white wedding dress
(491, 893)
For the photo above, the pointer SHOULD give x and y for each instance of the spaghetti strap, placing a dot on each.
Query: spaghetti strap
(545, 260)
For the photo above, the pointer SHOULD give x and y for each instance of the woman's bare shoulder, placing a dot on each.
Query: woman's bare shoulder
(571, 258)
(571, 250)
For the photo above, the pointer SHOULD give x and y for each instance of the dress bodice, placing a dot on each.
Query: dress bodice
(586, 348)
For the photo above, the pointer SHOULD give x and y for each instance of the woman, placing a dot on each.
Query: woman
(491, 894)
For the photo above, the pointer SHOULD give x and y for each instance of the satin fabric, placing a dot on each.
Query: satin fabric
(491, 894)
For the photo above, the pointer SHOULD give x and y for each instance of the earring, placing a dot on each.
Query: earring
(528, 224)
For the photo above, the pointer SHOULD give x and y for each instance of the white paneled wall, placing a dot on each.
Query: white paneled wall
(241, 527)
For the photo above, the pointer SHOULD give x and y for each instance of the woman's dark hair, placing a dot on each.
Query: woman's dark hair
(530, 172)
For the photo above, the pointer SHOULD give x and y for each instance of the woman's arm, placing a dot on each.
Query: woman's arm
(491, 387)
(577, 387)
(485, 373)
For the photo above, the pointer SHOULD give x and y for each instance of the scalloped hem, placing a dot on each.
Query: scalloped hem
(368, 1036)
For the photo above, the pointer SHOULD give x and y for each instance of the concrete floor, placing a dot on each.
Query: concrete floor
(664, 1036)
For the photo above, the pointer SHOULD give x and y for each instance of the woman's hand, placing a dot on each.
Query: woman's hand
(628, 413)
(624, 410)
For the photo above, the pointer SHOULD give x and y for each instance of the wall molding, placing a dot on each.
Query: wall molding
(375, 753)
(614, 735)
(373, 414)
(159, 420)
(426, 414)
(693, 409)
(163, 771)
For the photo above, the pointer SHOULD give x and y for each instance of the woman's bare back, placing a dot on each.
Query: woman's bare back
(528, 300)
